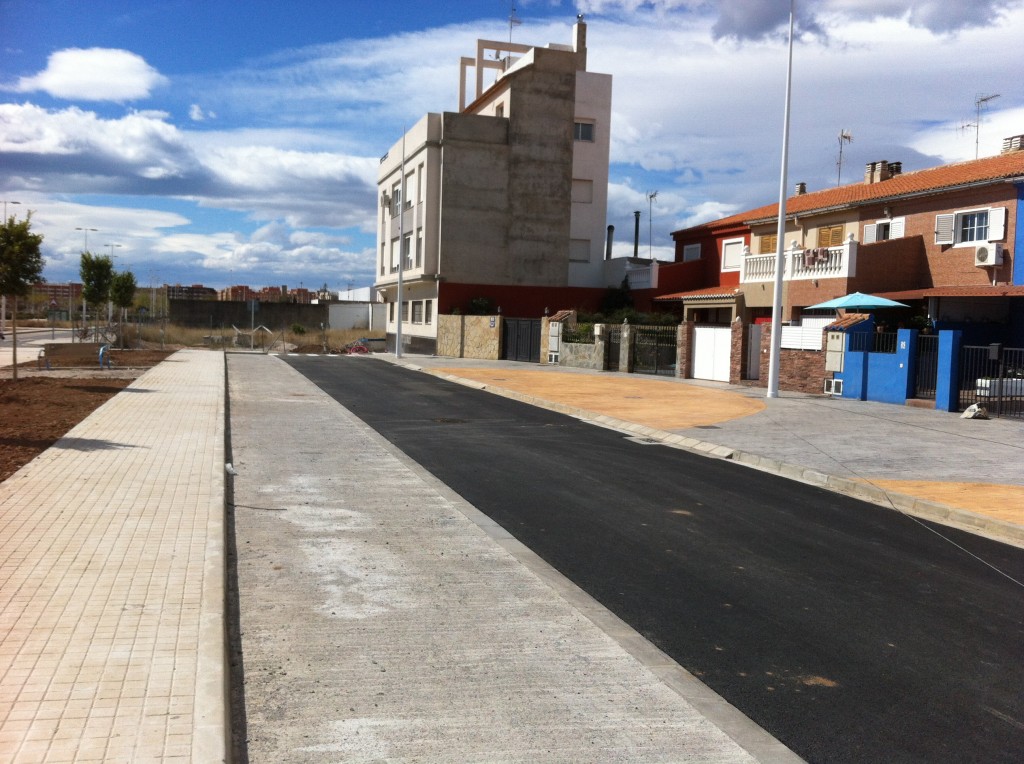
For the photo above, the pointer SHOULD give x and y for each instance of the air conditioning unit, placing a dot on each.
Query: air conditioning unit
(987, 254)
(834, 387)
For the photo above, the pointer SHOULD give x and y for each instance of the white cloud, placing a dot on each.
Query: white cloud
(197, 114)
(94, 74)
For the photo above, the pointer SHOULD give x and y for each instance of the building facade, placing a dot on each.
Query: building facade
(502, 204)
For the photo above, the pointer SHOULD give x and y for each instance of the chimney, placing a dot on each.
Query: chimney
(1014, 143)
(876, 172)
(801, 188)
(895, 168)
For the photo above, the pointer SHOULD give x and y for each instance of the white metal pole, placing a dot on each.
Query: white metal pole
(401, 248)
(780, 245)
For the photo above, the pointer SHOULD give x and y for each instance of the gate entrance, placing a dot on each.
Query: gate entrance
(520, 339)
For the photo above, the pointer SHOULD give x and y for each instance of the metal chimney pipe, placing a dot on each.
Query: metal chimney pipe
(636, 235)
(608, 243)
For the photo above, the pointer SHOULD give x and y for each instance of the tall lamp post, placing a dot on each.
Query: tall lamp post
(110, 303)
(6, 202)
(780, 231)
(85, 245)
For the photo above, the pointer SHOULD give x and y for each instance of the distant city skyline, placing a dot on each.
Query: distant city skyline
(226, 143)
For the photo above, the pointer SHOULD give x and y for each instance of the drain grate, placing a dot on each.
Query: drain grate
(643, 441)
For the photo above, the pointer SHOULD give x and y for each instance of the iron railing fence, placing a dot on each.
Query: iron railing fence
(993, 377)
(654, 350)
(927, 366)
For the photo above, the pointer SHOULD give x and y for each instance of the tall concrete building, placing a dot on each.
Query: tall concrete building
(503, 201)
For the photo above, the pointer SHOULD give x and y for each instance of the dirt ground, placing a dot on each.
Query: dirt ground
(38, 409)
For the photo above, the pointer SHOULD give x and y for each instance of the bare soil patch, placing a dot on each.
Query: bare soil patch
(42, 406)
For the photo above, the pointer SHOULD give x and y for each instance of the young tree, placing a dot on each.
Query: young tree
(21, 266)
(97, 274)
(122, 294)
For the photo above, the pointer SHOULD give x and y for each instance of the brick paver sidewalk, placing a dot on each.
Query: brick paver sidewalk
(112, 580)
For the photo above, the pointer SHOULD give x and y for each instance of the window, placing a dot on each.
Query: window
(391, 312)
(410, 183)
(883, 230)
(768, 244)
(584, 131)
(691, 252)
(499, 110)
(405, 310)
(407, 251)
(396, 199)
(383, 259)
(969, 226)
(417, 312)
(419, 247)
(732, 254)
(830, 236)
(428, 311)
(394, 255)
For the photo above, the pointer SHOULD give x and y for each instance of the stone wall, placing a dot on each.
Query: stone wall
(469, 337)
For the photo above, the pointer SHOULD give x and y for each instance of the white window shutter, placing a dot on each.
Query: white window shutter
(896, 228)
(996, 223)
(944, 228)
(869, 233)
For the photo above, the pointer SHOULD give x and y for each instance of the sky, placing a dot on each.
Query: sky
(222, 142)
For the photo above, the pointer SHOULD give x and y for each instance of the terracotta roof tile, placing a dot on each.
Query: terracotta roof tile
(932, 180)
(697, 294)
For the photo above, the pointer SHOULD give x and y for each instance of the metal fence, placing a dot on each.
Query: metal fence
(654, 350)
(927, 366)
(873, 342)
(582, 334)
(993, 377)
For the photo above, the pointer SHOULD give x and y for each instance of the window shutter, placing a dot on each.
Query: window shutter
(869, 233)
(944, 228)
(896, 228)
(996, 223)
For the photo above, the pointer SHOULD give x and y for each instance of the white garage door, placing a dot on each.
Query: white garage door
(712, 347)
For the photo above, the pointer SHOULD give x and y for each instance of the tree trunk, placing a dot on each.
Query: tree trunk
(14, 340)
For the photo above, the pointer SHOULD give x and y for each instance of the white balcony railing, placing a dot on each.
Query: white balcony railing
(803, 264)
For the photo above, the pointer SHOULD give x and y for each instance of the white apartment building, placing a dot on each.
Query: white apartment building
(504, 199)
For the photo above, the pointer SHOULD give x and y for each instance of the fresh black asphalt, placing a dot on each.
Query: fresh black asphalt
(848, 631)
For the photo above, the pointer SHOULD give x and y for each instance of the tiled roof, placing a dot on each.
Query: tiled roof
(957, 291)
(919, 182)
(850, 319)
(701, 294)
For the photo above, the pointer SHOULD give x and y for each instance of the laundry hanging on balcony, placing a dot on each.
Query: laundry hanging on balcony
(816, 256)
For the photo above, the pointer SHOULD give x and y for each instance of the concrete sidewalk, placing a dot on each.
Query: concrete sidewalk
(112, 580)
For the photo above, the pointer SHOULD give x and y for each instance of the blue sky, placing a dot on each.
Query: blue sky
(226, 142)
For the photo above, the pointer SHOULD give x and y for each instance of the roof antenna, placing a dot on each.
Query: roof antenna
(845, 136)
(979, 102)
(513, 20)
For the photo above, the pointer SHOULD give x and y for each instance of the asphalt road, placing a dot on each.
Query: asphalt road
(848, 631)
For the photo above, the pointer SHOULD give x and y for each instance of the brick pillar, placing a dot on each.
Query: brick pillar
(684, 350)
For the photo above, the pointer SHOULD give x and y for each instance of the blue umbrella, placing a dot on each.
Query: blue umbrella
(858, 301)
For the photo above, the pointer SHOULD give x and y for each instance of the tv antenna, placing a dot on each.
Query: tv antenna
(513, 20)
(845, 136)
(980, 102)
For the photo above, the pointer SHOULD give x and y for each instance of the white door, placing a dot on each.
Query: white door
(712, 349)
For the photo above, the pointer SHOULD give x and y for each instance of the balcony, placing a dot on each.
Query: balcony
(801, 264)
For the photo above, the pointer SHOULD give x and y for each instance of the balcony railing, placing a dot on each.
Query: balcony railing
(803, 264)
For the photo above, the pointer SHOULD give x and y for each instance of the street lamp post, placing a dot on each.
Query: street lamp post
(85, 246)
(780, 231)
(6, 202)
(110, 303)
